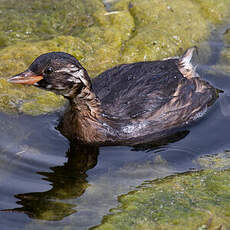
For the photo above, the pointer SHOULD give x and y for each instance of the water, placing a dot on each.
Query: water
(49, 183)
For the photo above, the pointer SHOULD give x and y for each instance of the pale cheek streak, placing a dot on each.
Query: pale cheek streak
(68, 70)
(74, 71)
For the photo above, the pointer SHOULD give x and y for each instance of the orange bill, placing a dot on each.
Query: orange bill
(27, 77)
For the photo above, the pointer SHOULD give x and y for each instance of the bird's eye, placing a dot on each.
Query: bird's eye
(49, 70)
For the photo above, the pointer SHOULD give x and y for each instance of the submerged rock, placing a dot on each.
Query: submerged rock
(225, 54)
(223, 64)
(130, 31)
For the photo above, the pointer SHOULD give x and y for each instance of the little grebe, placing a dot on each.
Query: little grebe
(126, 104)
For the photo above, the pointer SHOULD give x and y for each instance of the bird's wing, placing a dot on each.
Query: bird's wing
(130, 90)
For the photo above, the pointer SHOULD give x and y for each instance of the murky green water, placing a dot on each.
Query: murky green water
(48, 183)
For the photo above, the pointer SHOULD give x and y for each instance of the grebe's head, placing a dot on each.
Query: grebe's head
(56, 71)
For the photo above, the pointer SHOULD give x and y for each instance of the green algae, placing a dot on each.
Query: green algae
(159, 33)
(194, 200)
(212, 10)
(14, 99)
(42, 104)
(41, 19)
(131, 31)
(101, 39)
(165, 28)
(187, 201)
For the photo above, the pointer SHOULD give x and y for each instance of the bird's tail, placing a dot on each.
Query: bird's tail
(185, 64)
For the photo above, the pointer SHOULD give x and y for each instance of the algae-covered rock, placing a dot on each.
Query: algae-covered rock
(195, 200)
(41, 19)
(70, 21)
(213, 10)
(198, 200)
(42, 104)
(30, 100)
(165, 28)
(131, 31)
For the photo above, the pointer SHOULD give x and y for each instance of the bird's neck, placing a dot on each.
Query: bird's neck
(84, 120)
(86, 103)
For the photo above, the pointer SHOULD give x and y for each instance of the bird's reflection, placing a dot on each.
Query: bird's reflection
(69, 181)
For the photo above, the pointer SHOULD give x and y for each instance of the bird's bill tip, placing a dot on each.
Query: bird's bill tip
(28, 77)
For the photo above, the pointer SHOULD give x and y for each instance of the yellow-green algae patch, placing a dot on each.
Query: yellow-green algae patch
(164, 28)
(134, 30)
(191, 201)
(42, 19)
(42, 104)
(213, 10)
(195, 200)
(15, 99)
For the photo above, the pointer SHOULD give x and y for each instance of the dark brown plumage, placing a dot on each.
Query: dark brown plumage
(128, 104)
